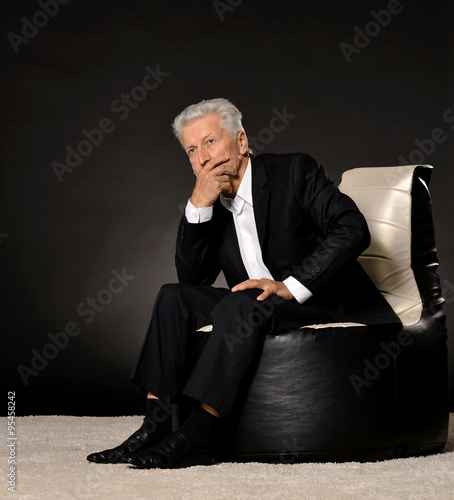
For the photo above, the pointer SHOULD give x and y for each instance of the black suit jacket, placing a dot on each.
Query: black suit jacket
(307, 229)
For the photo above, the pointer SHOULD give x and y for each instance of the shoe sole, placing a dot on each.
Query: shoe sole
(100, 461)
(181, 464)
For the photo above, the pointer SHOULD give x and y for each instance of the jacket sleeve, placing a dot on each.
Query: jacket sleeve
(196, 257)
(342, 229)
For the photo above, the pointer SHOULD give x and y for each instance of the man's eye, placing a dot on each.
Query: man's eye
(190, 151)
(210, 141)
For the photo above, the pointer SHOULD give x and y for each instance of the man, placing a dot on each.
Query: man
(286, 240)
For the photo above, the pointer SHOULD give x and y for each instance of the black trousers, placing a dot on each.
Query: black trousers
(239, 323)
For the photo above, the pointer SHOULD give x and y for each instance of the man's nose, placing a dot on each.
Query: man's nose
(203, 156)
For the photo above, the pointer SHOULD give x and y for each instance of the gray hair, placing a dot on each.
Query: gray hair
(230, 116)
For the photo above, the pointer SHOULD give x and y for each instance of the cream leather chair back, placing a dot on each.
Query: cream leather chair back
(383, 194)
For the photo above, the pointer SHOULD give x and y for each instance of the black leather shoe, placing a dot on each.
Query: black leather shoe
(139, 441)
(173, 451)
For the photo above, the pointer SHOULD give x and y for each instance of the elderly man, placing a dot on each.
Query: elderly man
(286, 240)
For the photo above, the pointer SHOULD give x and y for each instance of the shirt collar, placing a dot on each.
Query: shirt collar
(244, 194)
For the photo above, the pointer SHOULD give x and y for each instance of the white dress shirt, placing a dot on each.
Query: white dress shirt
(246, 230)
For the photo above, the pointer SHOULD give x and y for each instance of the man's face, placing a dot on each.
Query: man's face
(205, 139)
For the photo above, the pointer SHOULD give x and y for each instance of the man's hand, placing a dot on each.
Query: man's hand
(212, 178)
(269, 287)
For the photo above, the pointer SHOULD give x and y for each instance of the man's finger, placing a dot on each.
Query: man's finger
(216, 162)
(248, 284)
(225, 170)
(264, 295)
(242, 286)
(223, 178)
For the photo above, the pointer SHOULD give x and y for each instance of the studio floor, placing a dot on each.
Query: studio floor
(50, 463)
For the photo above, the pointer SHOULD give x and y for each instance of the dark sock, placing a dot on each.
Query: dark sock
(201, 428)
(158, 418)
(155, 408)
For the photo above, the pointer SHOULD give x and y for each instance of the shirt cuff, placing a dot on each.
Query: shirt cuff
(196, 215)
(297, 289)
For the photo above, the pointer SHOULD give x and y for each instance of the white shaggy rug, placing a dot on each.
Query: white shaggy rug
(51, 464)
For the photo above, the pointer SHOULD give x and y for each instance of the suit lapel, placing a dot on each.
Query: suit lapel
(260, 197)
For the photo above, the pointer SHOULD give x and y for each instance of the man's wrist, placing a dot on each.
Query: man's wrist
(297, 289)
(199, 202)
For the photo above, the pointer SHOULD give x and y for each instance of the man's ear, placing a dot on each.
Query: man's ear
(243, 142)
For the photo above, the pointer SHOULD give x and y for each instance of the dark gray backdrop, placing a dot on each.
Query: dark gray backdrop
(354, 91)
